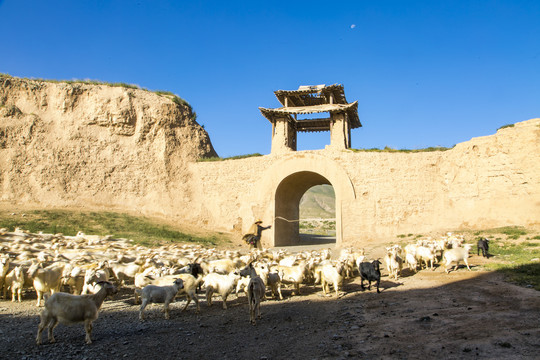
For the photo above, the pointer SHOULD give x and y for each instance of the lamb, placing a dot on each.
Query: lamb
(223, 284)
(370, 271)
(159, 294)
(456, 255)
(483, 245)
(394, 262)
(47, 279)
(69, 309)
(15, 281)
(190, 286)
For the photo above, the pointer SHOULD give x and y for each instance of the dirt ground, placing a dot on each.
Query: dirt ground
(430, 314)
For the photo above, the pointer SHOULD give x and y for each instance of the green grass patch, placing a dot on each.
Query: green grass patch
(510, 231)
(141, 230)
(516, 262)
(211, 159)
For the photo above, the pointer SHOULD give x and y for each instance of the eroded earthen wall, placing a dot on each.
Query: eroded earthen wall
(485, 182)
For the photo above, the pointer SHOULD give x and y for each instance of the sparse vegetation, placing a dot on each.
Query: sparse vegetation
(175, 98)
(520, 263)
(318, 227)
(210, 159)
(389, 149)
(141, 230)
(505, 126)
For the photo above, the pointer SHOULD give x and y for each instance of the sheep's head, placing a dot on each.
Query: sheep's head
(109, 287)
(179, 282)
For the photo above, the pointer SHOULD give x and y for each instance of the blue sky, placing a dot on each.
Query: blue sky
(425, 73)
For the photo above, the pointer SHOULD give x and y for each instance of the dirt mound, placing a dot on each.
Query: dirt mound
(76, 144)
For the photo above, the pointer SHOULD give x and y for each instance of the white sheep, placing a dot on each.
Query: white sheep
(411, 261)
(123, 272)
(159, 294)
(189, 290)
(222, 284)
(394, 261)
(455, 255)
(255, 293)
(47, 279)
(274, 282)
(15, 281)
(220, 266)
(293, 275)
(73, 277)
(242, 284)
(332, 275)
(4, 269)
(425, 254)
(69, 309)
(92, 277)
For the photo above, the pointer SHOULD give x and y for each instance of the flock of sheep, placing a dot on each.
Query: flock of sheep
(88, 265)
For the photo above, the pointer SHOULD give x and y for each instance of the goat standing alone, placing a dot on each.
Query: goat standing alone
(69, 309)
(483, 245)
(255, 292)
(370, 271)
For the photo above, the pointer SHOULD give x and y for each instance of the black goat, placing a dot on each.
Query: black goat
(196, 269)
(370, 271)
(483, 244)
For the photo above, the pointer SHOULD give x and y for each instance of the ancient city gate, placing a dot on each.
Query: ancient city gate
(291, 178)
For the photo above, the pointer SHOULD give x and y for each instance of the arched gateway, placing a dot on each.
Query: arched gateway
(284, 183)
(289, 179)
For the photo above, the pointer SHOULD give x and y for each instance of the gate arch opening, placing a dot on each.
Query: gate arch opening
(288, 194)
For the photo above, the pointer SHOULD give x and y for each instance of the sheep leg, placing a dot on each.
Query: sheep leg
(323, 283)
(188, 300)
(467, 263)
(194, 296)
(88, 328)
(19, 294)
(39, 296)
(225, 300)
(52, 324)
(209, 292)
(258, 310)
(279, 292)
(41, 327)
(143, 305)
(166, 310)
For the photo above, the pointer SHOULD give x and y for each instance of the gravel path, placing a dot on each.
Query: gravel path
(462, 315)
